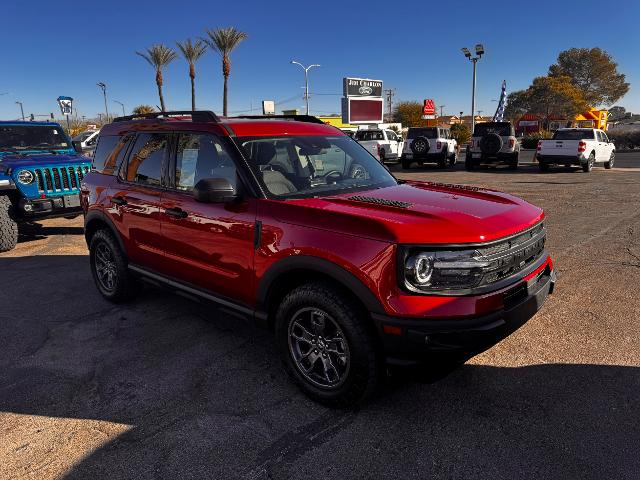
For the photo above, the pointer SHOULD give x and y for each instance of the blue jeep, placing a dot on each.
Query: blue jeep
(40, 175)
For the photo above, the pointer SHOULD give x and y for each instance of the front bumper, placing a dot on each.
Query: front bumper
(49, 207)
(410, 341)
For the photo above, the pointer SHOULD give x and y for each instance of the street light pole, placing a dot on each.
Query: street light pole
(122, 105)
(103, 87)
(306, 80)
(474, 60)
(21, 110)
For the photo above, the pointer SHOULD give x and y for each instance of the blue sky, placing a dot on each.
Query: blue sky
(65, 47)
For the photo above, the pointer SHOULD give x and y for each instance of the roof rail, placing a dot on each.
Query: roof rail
(295, 118)
(204, 116)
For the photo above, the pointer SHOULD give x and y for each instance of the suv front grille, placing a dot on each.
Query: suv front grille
(60, 179)
(513, 254)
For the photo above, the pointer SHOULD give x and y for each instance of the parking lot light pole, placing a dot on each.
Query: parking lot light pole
(21, 109)
(103, 87)
(122, 105)
(474, 60)
(306, 80)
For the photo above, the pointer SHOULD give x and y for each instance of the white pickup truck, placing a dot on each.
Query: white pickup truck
(576, 146)
(383, 144)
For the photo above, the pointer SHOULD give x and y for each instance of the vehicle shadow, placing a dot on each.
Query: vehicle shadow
(206, 397)
(29, 232)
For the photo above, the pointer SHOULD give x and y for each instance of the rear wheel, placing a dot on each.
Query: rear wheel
(513, 161)
(381, 154)
(109, 268)
(326, 346)
(587, 167)
(405, 162)
(609, 164)
(8, 226)
(543, 166)
(442, 161)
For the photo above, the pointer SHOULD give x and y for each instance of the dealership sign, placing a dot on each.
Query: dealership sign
(362, 87)
(362, 110)
(66, 105)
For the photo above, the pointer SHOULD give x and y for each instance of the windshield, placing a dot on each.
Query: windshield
(502, 129)
(310, 166)
(422, 132)
(32, 137)
(573, 135)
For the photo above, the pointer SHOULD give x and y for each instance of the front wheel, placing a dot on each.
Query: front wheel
(8, 226)
(587, 167)
(109, 268)
(326, 346)
(442, 161)
(609, 164)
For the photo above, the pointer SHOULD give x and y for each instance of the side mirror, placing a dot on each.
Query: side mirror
(78, 147)
(214, 190)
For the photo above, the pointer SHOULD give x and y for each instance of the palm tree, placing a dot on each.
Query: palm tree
(192, 53)
(142, 109)
(224, 41)
(159, 56)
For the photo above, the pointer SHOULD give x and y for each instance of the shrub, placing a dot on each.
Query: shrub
(531, 141)
(625, 138)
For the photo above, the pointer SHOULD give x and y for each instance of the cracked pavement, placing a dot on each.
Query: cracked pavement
(167, 388)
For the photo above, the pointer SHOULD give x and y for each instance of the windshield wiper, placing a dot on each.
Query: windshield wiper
(11, 150)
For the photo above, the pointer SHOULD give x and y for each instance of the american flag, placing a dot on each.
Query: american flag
(499, 115)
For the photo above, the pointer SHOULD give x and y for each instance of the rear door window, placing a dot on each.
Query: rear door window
(147, 159)
(202, 155)
(422, 132)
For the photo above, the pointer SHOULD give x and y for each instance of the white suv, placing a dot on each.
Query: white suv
(493, 142)
(383, 144)
(429, 144)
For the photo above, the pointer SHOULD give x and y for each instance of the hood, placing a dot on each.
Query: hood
(415, 213)
(42, 159)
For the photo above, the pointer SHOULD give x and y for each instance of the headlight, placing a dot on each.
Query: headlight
(445, 270)
(25, 176)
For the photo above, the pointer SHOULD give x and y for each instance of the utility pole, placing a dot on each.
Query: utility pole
(441, 107)
(122, 105)
(389, 92)
(21, 110)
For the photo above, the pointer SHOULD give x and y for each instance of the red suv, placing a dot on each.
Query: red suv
(290, 222)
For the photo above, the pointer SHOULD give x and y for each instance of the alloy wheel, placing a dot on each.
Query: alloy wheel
(319, 348)
(105, 267)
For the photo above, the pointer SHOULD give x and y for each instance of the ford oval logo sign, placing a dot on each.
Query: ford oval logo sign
(365, 90)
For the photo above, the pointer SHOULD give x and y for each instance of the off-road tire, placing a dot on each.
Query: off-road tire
(588, 166)
(126, 286)
(8, 226)
(543, 166)
(405, 163)
(513, 161)
(609, 164)
(491, 144)
(469, 163)
(365, 362)
(442, 161)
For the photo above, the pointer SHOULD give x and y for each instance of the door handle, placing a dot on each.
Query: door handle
(176, 212)
(118, 201)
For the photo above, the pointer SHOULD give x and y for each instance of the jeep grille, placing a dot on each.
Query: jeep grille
(60, 179)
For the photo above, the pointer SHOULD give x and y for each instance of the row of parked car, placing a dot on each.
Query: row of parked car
(491, 143)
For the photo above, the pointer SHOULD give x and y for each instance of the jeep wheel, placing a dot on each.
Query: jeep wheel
(8, 226)
(587, 167)
(405, 162)
(513, 161)
(609, 165)
(469, 163)
(325, 345)
(109, 268)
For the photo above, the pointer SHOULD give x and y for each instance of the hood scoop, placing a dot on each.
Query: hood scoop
(380, 201)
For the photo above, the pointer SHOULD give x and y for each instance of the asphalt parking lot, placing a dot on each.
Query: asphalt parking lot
(167, 388)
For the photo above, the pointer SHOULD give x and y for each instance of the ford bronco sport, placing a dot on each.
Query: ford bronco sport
(291, 223)
(40, 175)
